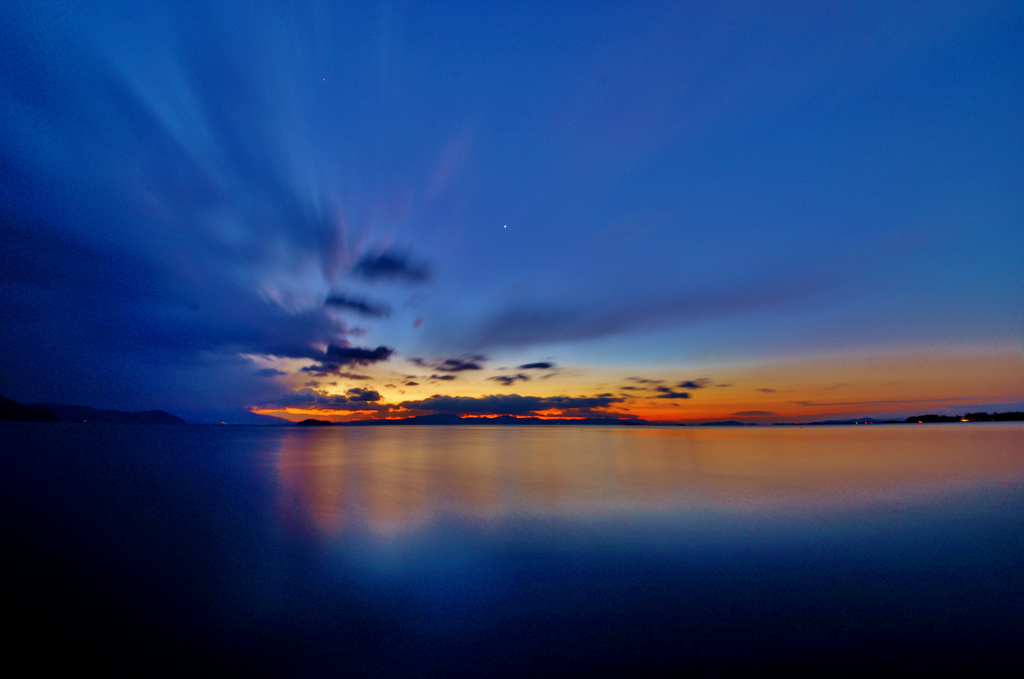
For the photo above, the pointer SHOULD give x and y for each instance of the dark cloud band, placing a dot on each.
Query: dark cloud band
(511, 404)
(390, 266)
(336, 358)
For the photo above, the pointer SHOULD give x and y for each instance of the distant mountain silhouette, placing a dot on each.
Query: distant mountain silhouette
(12, 411)
(1014, 416)
(68, 413)
(314, 423)
(728, 423)
(969, 417)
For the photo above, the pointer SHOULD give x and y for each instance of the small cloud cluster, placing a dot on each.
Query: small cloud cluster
(668, 392)
(463, 363)
(270, 372)
(353, 399)
(664, 392)
(509, 380)
(694, 384)
(450, 365)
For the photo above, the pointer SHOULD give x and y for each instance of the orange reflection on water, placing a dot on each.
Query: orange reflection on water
(392, 477)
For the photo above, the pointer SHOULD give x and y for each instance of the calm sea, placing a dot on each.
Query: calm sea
(490, 551)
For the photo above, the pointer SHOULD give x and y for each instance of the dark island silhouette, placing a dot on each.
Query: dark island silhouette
(69, 413)
(314, 423)
(55, 412)
(12, 411)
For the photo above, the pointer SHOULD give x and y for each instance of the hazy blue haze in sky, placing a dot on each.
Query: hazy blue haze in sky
(184, 184)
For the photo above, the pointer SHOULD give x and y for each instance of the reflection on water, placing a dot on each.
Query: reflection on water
(483, 551)
(390, 478)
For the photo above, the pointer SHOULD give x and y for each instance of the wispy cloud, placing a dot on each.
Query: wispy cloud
(359, 305)
(895, 401)
(522, 325)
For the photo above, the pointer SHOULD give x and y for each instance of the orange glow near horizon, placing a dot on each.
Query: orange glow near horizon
(299, 414)
(848, 386)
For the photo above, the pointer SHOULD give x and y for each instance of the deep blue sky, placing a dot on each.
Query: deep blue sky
(665, 191)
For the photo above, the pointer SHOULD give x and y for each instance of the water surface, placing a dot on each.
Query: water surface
(421, 551)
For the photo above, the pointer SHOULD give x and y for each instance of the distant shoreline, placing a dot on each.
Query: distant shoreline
(456, 420)
(11, 411)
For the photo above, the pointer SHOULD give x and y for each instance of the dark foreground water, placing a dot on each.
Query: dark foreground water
(434, 551)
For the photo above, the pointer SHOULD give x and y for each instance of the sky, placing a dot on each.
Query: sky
(669, 211)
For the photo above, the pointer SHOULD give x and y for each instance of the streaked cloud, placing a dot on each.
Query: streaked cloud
(357, 304)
